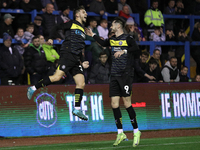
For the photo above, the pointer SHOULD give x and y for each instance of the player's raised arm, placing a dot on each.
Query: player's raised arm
(103, 43)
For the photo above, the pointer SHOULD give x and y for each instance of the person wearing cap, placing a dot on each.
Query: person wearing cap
(38, 28)
(6, 25)
(130, 28)
(11, 63)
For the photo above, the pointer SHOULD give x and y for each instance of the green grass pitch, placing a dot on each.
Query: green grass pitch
(172, 143)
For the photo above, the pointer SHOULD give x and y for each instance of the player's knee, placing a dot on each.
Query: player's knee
(114, 104)
(81, 85)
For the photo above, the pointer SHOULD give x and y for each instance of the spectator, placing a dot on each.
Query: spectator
(52, 2)
(37, 4)
(73, 4)
(169, 10)
(130, 28)
(183, 74)
(103, 29)
(49, 20)
(170, 71)
(140, 68)
(180, 51)
(6, 25)
(28, 33)
(124, 13)
(97, 6)
(41, 39)
(123, 3)
(12, 4)
(11, 63)
(19, 37)
(197, 78)
(64, 16)
(100, 72)
(86, 4)
(38, 29)
(195, 50)
(111, 6)
(35, 61)
(179, 8)
(165, 49)
(153, 17)
(157, 36)
(156, 56)
(153, 72)
(24, 19)
(51, 55)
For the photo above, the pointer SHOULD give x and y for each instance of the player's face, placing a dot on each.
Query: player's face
(114, 27)
(83, 15)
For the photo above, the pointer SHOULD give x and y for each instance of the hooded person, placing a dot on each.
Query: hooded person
(11, 63)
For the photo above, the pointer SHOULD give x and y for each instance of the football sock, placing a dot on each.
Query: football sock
(118, 117)
(42, 83)
(135, 130)
(78, 97)
(120, 131)
(132, 116)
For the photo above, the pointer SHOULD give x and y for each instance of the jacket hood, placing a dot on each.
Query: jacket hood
(168, 64)
(38, 49)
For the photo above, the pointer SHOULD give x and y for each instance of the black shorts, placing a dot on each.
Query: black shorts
(70, 62)
(120, 86)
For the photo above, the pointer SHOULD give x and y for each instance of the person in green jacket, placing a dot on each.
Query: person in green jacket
(153, 18)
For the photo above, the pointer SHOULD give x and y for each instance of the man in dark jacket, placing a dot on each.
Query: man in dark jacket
(11, 63)
(100, 73)
(6, 25)
(35, 61)
(49, 20)
(38, 29)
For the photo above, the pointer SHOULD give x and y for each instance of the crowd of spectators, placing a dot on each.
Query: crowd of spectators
(37, 57)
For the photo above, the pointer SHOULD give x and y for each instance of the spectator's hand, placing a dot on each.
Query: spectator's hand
(179, 34)
(171, 80)
(150, 77)
(34, 73)
(152, 81)
(85, 64)
(161, 30)
(89, 32)
(50, 41)
(118, 54)
(116, 11)
(59, 39)
(25, 45)
(161, 81)
(132, 28)
(101, 12)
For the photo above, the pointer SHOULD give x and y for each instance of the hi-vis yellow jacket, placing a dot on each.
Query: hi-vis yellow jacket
(154, 16)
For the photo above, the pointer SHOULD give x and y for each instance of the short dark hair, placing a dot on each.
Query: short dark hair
(92, 19)
(103, 20)
(145, 53)
(119, 20)
(153, 1)
(184, 67)
(76, 10)
(172, 58)
(103, 53)
(35, 37)
(156, 50)
(153, 61)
